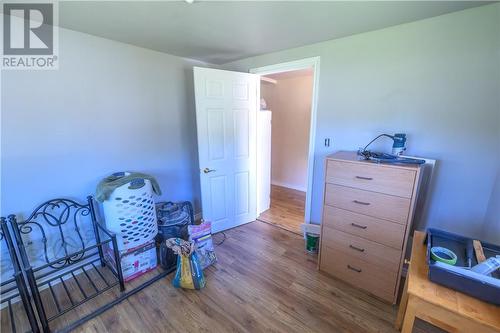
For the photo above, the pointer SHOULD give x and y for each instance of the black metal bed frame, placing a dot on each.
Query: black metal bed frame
(29, 277)
(55, 214)
(16, 286)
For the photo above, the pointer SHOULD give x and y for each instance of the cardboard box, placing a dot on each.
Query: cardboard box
(135, 261)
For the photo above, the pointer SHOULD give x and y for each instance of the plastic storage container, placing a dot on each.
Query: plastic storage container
(130, 213)
(484, 287)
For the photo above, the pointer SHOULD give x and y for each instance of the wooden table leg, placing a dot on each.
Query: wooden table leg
(402, 306)
(410, 315)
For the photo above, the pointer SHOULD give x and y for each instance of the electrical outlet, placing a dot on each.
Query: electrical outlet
(327, 142)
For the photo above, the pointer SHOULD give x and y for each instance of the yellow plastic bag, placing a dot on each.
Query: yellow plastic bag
(189, 274)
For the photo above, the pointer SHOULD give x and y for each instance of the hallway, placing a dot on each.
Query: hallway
(287, 209)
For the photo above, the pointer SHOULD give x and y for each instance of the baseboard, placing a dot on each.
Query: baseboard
(293, 187)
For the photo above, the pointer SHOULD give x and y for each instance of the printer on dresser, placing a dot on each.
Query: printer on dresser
(367, 215)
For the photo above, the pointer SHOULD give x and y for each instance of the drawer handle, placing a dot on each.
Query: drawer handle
(356, 248)
(361, 202)
(359, 226)
(364, 178)
(354, 269)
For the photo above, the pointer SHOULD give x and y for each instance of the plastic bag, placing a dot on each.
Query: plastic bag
(189, 274)
(201, 235)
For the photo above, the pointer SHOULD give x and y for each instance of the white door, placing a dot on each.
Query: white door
(226, 116)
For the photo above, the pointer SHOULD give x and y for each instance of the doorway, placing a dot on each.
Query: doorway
(285, 144)
(228, 131)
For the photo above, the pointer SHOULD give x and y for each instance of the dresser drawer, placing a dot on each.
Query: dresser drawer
(376, 178)
(354, 246)
(367, 227)
(368, 203)
(368, 276)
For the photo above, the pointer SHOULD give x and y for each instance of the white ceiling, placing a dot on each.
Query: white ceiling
(220, 32)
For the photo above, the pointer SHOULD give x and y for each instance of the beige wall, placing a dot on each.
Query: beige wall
(290, 103)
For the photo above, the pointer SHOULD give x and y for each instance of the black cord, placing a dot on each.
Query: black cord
(381, 135)
(223, 239)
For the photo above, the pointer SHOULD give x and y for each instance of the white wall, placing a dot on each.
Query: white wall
(290, 103)
(438, 80)
(110, 107)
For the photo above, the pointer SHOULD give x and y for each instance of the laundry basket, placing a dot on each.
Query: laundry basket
(130, 213)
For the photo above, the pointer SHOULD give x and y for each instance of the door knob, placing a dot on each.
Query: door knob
(207, 170)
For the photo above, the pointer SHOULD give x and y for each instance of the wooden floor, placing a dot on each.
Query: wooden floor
(287, 209)
(263, 282)
(62, 296)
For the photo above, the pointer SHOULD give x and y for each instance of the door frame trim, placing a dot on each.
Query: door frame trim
(314, 63)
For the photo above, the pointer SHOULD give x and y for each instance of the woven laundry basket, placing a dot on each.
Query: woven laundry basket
(130, 213)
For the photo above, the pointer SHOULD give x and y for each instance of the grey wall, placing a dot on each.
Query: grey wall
(438, 80)
(110, 107)
(113, 106)
(491, 227)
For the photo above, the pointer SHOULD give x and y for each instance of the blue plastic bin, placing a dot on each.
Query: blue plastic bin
(441, 274)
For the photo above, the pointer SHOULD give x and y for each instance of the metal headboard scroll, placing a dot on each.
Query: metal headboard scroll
(56, 217)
